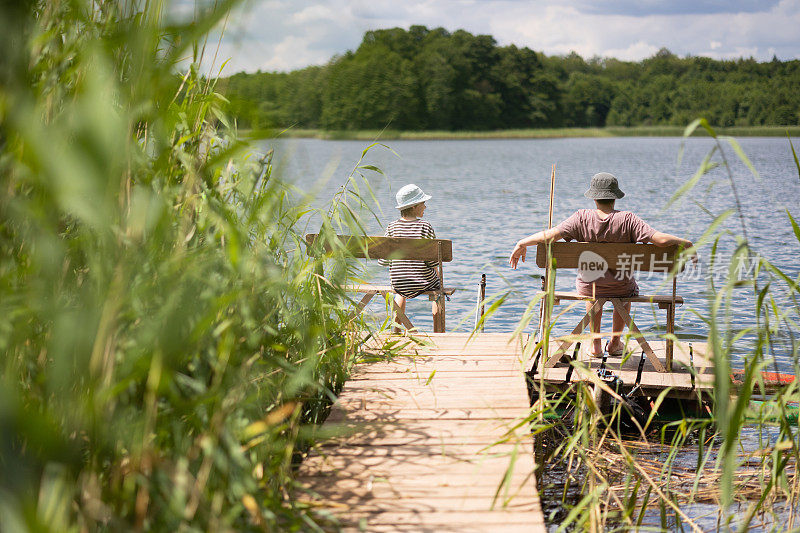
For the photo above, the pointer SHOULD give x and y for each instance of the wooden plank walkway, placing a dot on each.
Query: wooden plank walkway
(433, 441)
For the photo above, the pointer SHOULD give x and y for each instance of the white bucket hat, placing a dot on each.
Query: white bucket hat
(410, 195)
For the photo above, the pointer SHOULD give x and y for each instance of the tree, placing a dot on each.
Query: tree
(586, 100)
(371, 90)
(424, 78)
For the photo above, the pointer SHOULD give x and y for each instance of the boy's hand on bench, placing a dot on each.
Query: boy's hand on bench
(695, 258)
(552, 234)
(517, 255)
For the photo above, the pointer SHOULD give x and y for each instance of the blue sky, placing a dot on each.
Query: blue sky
(288, 34)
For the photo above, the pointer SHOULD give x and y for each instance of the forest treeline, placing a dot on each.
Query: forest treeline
(432, 79)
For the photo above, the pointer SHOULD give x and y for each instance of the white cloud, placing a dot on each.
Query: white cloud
(742, 51)
(286, 35)
(311, 14)
(560, 29)
(674, 7)
(293, 47)
(634, 52)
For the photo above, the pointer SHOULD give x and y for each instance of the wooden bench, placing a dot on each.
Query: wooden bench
(367, 247)
(626, 257)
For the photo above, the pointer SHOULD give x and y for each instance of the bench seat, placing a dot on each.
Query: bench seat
(662, 300)
(375, 289)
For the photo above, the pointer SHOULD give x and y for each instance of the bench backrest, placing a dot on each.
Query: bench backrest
(622, 257)
(368, 247)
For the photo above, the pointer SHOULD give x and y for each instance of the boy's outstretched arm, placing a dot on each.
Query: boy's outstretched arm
(552, 234)
(665, 239)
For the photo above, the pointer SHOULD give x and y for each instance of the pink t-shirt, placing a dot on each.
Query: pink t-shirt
(585, 225)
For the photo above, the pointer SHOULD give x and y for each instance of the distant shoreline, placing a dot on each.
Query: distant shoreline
(543, 133)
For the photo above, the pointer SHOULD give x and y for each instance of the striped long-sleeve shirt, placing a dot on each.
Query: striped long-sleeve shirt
(411, 278)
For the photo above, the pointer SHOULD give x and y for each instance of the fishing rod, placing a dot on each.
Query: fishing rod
(546, 278)
(479, 306)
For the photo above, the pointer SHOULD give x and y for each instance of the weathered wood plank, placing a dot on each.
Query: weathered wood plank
(419, 478)
(422, 395)
(640, 257)
(392, 501)
(650, 380)
(506, 364)
(374, 289)
(410, 387)
(497, 520)
(471, 351)
(468, 353)
(444, 357)
(423, 374)
(450, 338)
(702, 360)
(459, 528)
(433, 385)
(428, 432)
(438, 343)
(417, 426)
(650, 298)
(474, 359)
(446, 413)
(453, 450)
(380, 247)
(391, 465)
(445, 404)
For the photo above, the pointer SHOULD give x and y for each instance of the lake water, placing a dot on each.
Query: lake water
(487, 194)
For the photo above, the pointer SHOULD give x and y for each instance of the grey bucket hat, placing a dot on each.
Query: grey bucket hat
(409, 195)
(604, 187)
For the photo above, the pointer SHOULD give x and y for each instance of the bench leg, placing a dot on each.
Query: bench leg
(597, 307)
(437, 308)
(626, 317)
(670, 333)
(362, 304)
(398, 316)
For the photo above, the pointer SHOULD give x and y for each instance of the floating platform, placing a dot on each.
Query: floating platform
(690, 376)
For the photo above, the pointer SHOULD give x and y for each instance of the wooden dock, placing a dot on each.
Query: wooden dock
(434, 440)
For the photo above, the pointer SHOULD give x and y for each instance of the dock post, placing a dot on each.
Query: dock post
(438, 297)
(671, 326)
(482, 298)
(438, 312)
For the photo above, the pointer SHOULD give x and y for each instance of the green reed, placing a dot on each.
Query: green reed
(166, 342)
(612, 479)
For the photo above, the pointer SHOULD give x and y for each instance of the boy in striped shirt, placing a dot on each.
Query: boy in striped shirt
(411, 278)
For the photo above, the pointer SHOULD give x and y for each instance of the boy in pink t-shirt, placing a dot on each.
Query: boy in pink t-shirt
(602, 224)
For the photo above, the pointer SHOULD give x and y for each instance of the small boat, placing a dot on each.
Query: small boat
(772, 380)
